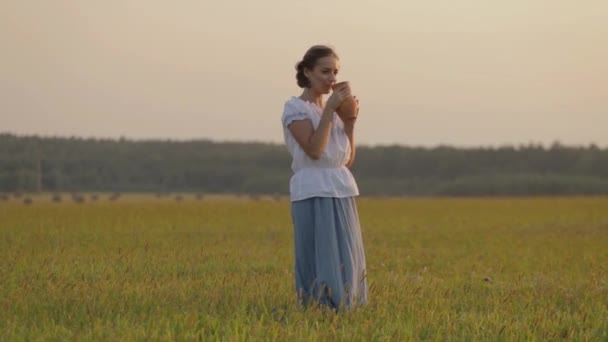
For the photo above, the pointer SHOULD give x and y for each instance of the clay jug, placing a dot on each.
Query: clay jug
(348, 108)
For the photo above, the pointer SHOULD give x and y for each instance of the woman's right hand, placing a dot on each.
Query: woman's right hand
(337, 97)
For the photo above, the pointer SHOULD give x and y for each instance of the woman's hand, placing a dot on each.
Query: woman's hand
(337, 97)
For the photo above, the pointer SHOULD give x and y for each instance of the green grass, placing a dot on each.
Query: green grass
(140, 268)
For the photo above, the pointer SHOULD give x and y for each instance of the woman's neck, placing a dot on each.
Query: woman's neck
(311, 96)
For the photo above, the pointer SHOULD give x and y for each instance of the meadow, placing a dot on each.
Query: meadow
(145, 268)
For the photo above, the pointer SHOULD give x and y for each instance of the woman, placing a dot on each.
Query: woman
(329, 254)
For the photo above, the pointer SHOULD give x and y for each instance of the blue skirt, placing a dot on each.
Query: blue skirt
(329, 254)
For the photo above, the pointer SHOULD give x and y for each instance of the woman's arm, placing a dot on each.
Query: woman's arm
(313, 141)
(349, 129)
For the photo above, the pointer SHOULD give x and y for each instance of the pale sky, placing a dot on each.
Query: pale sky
(464, 73)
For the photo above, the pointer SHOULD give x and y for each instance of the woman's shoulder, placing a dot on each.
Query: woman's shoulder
(295, 109)
(295, 105)
(295, 102)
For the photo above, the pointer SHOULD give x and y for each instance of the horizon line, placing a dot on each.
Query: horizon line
(555, 142)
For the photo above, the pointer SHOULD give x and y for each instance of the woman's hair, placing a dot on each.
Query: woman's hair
(310, 60)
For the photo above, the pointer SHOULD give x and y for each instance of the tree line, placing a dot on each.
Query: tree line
(73, 164)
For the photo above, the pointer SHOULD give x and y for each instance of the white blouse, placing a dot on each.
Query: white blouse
(328, 176)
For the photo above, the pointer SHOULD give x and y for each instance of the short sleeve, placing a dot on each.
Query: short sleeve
(293, 112)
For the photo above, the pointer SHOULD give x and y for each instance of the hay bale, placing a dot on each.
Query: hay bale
(56, 198)
(78, 198)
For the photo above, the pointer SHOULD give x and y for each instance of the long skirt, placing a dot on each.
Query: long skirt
(329, 253)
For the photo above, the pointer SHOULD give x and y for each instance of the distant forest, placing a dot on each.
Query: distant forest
(51, 164)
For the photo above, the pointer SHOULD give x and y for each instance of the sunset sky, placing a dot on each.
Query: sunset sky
(464, 73)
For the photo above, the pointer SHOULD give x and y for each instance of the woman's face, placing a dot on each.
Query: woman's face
(323, 76)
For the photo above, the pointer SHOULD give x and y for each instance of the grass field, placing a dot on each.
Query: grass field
(147, 268)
